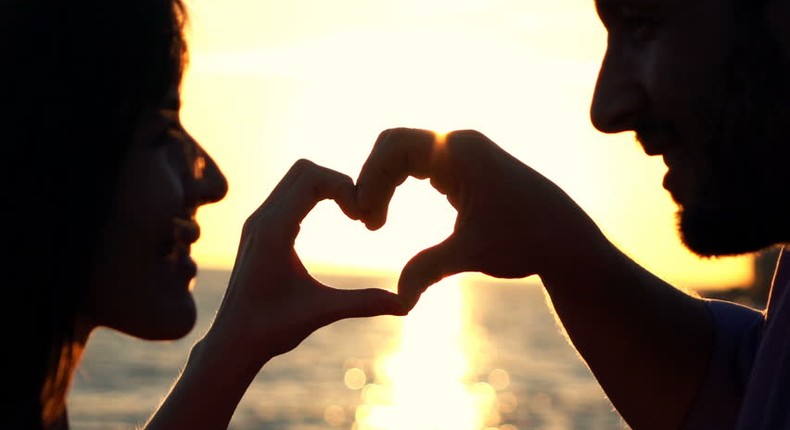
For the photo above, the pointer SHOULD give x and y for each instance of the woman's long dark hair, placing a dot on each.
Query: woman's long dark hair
(75, 78)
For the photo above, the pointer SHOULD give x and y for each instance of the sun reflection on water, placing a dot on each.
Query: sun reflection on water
(428, 381)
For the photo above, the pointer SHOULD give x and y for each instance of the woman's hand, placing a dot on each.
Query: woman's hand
(272, 303)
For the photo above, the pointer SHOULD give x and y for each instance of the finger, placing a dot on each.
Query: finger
(361, 303)
(431, 266)
(304, 186)
(314, 185)
(287, 181)
(396, 155)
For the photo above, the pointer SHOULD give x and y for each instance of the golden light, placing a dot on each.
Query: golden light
(441, 138)
(285, 85)
(427, 383)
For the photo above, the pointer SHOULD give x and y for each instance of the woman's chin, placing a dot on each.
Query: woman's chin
(174, 323)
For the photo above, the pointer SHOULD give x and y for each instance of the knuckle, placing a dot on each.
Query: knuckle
(259, 228)
(303, 164)
(467, 135)
(345, 179)
(250, 224)
(383, 135)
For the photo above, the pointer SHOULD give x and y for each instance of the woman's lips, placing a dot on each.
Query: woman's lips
(185, 232)
(180, 260)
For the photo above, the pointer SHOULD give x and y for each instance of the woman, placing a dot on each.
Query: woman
(103, 184)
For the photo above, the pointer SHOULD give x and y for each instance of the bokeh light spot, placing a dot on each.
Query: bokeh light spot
(355, 378)
(499, 379)
(335, 416)
(507, 403)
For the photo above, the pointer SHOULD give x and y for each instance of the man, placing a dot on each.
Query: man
(706, 85)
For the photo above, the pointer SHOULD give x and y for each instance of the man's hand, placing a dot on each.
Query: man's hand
(512, 221)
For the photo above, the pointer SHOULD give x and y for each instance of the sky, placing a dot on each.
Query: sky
(270, 82)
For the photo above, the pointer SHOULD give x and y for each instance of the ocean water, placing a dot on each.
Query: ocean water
(473, 355)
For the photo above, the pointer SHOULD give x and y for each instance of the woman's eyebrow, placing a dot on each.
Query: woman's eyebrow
(172, 99)
(169, 113)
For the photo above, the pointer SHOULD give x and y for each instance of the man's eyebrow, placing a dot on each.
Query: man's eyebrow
(599, 3)
(611, 3)
(653, 4)
(602, 7)
(607, 7)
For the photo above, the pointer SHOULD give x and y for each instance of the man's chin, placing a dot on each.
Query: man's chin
(711, 234)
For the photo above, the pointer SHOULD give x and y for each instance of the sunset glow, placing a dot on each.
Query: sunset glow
(272, 82)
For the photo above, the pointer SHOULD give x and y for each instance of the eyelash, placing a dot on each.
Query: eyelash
(170, 131)
(175, 133)
(166, 136)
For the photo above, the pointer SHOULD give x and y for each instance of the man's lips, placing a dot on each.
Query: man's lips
(682, 175)
(655, 144)
(668, 182)
(656, 137)
(678, 178)
(660, 141)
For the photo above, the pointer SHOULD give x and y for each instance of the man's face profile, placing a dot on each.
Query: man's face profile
(704, 84)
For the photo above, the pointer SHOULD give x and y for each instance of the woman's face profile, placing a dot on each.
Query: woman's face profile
(141, 283)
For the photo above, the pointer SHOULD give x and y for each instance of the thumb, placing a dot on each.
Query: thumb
(429, 267)
(366, 302)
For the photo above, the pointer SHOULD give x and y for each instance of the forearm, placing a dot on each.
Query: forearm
(207, 392)
(646, 342)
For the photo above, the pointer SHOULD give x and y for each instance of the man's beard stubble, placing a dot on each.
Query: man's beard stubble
(745, 205)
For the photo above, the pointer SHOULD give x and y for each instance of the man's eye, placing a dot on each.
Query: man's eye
(639, 25)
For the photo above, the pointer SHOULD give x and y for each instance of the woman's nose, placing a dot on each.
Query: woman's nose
(205, 182)
(211, 186)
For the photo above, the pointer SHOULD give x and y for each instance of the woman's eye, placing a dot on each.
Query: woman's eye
(175, 133)
(182, 151)
(172, 133)
(167, 135)
(174, 140)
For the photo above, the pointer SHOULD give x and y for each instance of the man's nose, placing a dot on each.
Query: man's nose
(619, 94)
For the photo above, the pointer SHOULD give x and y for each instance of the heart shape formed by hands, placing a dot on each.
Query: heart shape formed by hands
(511, 222)
(418, 220)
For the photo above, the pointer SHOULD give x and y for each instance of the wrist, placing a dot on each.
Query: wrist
(224, 357)
(582, 261)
